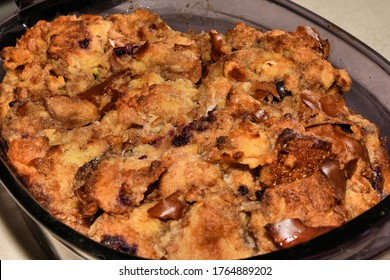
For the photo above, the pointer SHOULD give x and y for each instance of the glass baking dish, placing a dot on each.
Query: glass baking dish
(365, 237)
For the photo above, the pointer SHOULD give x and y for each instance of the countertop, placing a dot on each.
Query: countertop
(367, 20)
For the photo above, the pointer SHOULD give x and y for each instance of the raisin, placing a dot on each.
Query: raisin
(377, 182)
(221, 141)
(118, 243)
(84, 43)
(260, 194)
(199, 125)
(125, 50)
(15, 103)
(346, 128)
(124, 197)
(243, 190)
(181, 140)
(153, 26)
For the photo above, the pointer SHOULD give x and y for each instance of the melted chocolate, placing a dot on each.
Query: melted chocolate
(259, 116)
(92, 94)
(140, 51)
(350, 167)
(281, 90)
(343, 143)
(170, 207)
(95, 93)
(112, 104)
(289, 232)
(336, 176)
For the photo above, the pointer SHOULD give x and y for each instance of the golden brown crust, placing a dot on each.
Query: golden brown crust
(175, 145)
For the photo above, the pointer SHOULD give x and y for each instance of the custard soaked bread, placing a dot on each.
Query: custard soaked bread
(170, 145)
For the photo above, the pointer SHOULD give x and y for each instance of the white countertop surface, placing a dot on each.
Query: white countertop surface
(367, 20)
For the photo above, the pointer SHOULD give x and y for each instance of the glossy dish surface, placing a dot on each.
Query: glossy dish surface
(346, 53)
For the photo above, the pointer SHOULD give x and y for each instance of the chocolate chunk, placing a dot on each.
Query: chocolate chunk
(336, 176)
(287, 135)
(289, 232)
(118, 243)
(343, 144)
(350, 167)
(140, 51)
(171, 207)
(259, 116)
(281, 90)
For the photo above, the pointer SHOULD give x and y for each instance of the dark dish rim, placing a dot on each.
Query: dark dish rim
(341, 238)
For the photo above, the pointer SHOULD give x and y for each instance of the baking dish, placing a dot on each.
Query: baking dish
(367, 236)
